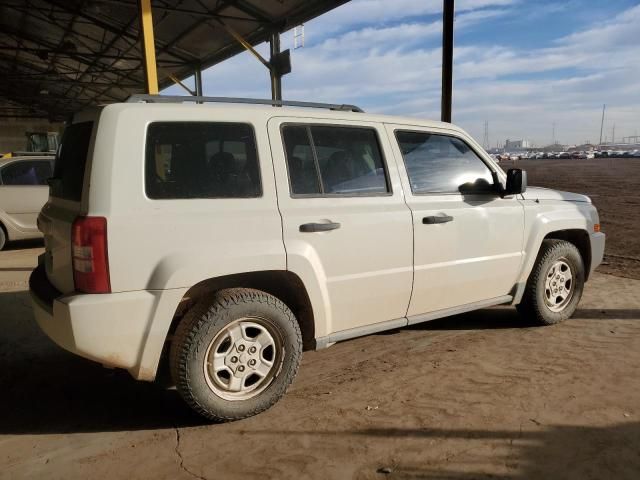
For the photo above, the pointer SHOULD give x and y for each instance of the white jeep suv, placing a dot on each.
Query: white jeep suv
(220, 239)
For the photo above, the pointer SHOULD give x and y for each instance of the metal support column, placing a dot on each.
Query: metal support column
(276, 76)
(148, 46)
(447, 60)
(198, 81)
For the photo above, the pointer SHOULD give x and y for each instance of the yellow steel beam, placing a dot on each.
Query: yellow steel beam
(244, 43)
(148, 46)
(177, 81)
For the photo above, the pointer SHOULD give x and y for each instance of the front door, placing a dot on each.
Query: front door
(346, 227)
(468, 240)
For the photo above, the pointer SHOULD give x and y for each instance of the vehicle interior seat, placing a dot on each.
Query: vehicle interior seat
(336, 170)
(230, 175)
(187, 168)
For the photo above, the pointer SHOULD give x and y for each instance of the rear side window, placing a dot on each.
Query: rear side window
(334, 160)
(26, 172)
(70, 163)
(201, 160)
(442, 164)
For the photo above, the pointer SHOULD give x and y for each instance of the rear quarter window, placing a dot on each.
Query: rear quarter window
(71, 160)
(201, 160)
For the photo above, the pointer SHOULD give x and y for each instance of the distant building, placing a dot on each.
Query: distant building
(511, 145)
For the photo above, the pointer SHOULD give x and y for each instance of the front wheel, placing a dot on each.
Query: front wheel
(555, 285)
(235, 356)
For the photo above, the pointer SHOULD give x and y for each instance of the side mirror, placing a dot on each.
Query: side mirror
(516, 181)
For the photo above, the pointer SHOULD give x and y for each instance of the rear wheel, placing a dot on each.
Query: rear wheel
(3, 237)
(555, 285)
(236, 355)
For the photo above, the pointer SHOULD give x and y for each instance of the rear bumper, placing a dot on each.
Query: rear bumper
(112, 329)
(597, 249)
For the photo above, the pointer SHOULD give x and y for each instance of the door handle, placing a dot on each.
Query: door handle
(318, 227)
(437, 219)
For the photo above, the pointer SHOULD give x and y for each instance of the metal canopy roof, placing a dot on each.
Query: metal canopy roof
(59, 56)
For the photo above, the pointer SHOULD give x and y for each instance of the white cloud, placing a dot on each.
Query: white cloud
(390, 62)
(359, 12)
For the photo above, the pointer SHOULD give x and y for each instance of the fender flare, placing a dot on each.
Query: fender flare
(544, 224)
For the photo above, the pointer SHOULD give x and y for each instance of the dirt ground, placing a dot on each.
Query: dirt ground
(479, 395)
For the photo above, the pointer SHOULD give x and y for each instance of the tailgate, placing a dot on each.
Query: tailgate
(55, 222)
(65, 199)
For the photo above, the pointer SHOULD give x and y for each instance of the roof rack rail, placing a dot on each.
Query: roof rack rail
(257, 101)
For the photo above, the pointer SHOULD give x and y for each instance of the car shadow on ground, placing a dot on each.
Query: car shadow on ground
(508, 317)
(534, 451)
(48, 390)
(485, 319)
(607, 314)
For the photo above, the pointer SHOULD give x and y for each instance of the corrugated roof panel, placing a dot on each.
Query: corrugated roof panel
(58, 56)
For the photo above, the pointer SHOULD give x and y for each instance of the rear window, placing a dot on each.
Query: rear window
(201, 160)
(68, 174)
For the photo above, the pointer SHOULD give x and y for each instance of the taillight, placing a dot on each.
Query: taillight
(90, 259)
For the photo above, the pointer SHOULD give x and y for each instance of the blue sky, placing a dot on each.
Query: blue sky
(521, 65)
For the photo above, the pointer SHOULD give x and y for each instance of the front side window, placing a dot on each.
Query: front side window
(442, 164)
(333, 160)
(201, 160)
(23, 172)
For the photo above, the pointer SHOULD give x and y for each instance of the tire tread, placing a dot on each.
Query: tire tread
(199, 317)
(529, 307)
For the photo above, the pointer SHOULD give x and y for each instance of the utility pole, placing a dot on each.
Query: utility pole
(602, 123)
(613, 134)
(485, 142)
(553, 133)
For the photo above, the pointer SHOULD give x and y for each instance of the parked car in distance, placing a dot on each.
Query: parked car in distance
(23, 192)
(219, 240)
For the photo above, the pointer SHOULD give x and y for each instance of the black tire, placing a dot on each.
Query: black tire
(533, 306)
(3, 237)
(198, 331)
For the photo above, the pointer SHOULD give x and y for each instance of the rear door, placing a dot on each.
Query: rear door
(468, 240)
(346, 226)
(24, 191)
(65, 203)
